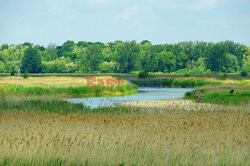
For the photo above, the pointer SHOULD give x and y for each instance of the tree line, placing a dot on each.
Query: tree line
(124, 57)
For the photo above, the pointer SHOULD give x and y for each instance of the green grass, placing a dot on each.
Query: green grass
(220, 94)
(38, 161)
(79, 91)
(194, 83)
(55, 105)
(170, 82)
(226, 98)
(173, 159)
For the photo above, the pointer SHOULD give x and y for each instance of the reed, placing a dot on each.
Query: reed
(175, 137)
(47, 104)
(37, 127)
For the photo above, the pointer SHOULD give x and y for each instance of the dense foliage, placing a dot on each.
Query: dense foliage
(142, 74)
(125, 57)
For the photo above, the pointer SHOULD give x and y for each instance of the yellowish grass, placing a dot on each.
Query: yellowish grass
(197, 78)
(180, 104)
(52, 81)
(225, 87)
(226, 81)
(174, 137)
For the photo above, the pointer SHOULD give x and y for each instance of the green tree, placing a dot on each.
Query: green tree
(80, 60)
(66, 49)
(146, 57)
(2, 67)
(214, 58)
(130, 56)
(170, 62)
(93, 56)
(127, 54)
(199, 67)
(236, 49)
(246, 65)
(31, 61)
(230, 63)
(27, 44)
(181, 60)
(50, 53)
(68, 45)
(4, 46)
(145, 42)
(60, 65)
(12, 57)
(161, 61)
(82, 44)
(109, 67)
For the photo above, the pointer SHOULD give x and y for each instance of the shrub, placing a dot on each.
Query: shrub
(143, 74)
(25, 75)
(243, 73)
(187, 75)
(12, 73)
(169, 82)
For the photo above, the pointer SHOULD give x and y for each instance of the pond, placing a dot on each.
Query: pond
(142, 94)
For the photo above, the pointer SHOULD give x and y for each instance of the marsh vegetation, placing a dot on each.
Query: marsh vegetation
(124, 135)
(43, 129)
(64, 86)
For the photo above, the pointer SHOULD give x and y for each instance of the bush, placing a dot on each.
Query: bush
(243, 73)
(224, 77)
(169, 82)
(143, 74)
(187, 75)
(25, 75)
(12, 73)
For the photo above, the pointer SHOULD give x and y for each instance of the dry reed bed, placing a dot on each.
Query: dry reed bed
(226, 87)
(181, 104)
(174, 137)
(53, 81)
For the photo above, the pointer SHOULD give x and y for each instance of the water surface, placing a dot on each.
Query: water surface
(143, 94)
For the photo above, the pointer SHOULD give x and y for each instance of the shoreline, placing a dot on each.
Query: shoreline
(176, 104)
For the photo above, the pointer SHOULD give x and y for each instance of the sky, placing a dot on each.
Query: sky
(159, 21)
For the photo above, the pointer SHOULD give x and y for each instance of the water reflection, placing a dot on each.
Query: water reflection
(143, 94)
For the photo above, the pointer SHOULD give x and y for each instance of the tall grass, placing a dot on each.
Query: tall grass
(65, 91)
(37, 128)
(47, 104)
(175, 137)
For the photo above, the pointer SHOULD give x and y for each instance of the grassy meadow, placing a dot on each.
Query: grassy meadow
(41, 129)
(220, 94)
(63, 86)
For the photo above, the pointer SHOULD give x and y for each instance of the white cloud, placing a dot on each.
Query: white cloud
(129, 12)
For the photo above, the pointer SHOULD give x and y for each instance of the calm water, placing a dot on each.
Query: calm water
(143, 94)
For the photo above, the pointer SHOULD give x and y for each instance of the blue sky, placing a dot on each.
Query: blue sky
(159, 21)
